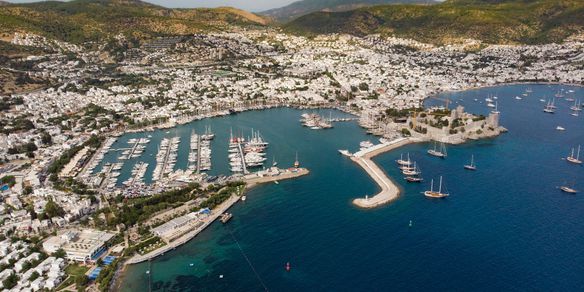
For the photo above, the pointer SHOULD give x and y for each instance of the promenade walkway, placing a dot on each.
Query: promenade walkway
(389, 190)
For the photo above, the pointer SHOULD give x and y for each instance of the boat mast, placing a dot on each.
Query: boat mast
(440, 188)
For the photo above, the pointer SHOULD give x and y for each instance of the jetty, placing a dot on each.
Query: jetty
(218, 211)
(254, 179)
(389, 190)
(273, 174)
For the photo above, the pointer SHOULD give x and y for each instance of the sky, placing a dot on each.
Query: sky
(249, 5)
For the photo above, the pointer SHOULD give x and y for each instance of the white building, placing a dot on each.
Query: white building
(79, 246)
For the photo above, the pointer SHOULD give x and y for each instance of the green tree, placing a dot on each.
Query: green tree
(10, 281)
(60, 253)
(33, 276)
(81, 281)
(52, 209)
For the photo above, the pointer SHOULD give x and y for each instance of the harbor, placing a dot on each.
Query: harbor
(318, 207)
(389, 190)
(166, 158)
(251, 180)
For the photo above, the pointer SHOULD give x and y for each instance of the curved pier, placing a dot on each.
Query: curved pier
(389, 191)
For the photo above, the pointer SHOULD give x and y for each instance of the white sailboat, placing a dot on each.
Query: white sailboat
(496, 110)
(433, 194)
(550, 108)
(403, 162)
(576, 107)
(575, 160)
(472, 165)
(438, 153)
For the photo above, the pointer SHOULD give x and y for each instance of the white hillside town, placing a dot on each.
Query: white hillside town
(61, 221)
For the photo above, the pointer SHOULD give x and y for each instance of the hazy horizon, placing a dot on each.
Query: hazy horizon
(254, 6)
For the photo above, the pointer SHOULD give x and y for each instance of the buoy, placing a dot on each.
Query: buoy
(288, 267)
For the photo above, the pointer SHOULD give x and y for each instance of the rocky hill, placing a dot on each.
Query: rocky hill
(492, 21)
(92, 20)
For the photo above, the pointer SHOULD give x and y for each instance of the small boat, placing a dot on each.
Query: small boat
(568, 190)
(243, 198)
(288, 267)
(413, 179)
(518, 97)
(413, 171)
(276, 182)
(403, 162)
(496, 110)
(560, 128)
(575, 160)
(225, 217)
(550, 108)
(432, 194)
(345, 152)
(438, 153)
(410, 225)
(472, 165)
(576, 107)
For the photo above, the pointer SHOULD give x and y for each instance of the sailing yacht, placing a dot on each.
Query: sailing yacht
(438, 153)
(577, 106)
(433, 194)
(472, 165)
(413, 175)
(208, 134)
(575, 160)
(496, 110)
(411, 172)
(550, 108)
(403, 162)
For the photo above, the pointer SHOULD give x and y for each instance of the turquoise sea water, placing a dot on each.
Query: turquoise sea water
(504, 227)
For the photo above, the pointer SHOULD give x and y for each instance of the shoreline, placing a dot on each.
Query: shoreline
(342, 108)
(225, 112)
(222, 208)
(389, 189)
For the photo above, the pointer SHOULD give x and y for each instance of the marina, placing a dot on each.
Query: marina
(325, 199)
(166, 158)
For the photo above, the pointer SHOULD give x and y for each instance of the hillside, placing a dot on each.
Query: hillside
(492, 21)
(303, 7)
(86, 20)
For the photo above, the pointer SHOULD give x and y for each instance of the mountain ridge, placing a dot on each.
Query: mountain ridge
(501, 22)
(91, 20)
(303, 7)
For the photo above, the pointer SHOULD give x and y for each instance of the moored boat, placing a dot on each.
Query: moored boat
(435, 194)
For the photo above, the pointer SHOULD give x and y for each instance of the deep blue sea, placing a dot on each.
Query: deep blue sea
(505, 226)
